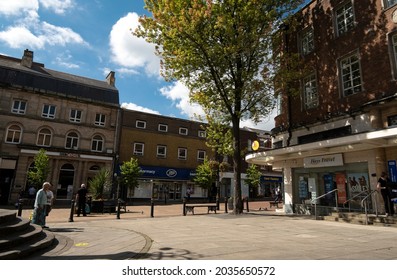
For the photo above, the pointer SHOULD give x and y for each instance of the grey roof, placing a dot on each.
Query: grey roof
(40, 79)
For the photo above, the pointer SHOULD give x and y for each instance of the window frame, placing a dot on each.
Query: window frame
(310, 100)
(97, 143)
(100, 119)
(342, 25)
(44, 139)
(75, 116)
(137, 122)
(140, 152)
(182, 153)
(72, 142)
(16, 134)
(387, 5)
(17, 109)
(159, 154)
(201, 159)
(162, 127)
(46, 112)
(202, 133)
(306, 40)
(183, 128)
(341, 68)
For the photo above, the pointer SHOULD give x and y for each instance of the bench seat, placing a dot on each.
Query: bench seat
(210, 207)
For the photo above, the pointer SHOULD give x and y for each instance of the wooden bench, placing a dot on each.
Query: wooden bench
(274, 203)
(190, 208)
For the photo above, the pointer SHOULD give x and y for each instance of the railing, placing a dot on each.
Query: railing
(354, 197)
(365, 205)
(321, 196)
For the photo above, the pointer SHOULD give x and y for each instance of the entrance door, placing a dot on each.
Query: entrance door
(5, 185)
(65, 182)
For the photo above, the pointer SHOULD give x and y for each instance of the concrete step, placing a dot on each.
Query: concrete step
(361, 218)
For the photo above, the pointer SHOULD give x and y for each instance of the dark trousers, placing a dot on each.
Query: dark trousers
(81, 206)
(389, 206)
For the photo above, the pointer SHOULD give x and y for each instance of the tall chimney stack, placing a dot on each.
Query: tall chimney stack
(27, 59)
(111, 79)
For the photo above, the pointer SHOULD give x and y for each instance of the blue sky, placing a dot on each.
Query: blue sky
(91, 38)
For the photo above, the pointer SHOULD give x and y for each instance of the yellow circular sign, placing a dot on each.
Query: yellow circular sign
(255, 145)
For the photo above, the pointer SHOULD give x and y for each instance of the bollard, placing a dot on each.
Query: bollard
(217, 204)
(246, 201)
(226, 198)
(152, 208)
(20, 207)
(184, 207)
(118, 209)
(71, 211)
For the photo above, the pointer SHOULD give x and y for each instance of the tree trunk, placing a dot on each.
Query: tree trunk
(238, 202)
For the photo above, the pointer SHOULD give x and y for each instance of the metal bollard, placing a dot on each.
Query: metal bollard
(226, 198)
(217, 204)
(20, 206)
(118, 209)
(71, 211)
(184, 207)
(152, 208)
(246, 201)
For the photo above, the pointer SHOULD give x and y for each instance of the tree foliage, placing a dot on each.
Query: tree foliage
(253, 175)
(130, 173)
(101, 184)
(39, 173)
(222, 51)
(206, 174)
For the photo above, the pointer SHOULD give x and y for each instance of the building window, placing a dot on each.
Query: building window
(202, 134)
(72, 141)
(44, 137)
(75, 116)
(394, 53)
(140, 124)
(48, 111)
(139, 149)
(14, 133)
(163, 127)
(97, 144)
(344, 18)
(183, 131)
(351, 75)
(310, 95)
(100, 119)
(19, 107)
(201, 155)
(161, 151)
(392, 120)
(182, 153)
(307, 41)
(389, 3)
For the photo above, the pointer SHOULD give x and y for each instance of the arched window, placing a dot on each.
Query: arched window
(97, 143)
(72, 140)
(14, 134)
(44, 137)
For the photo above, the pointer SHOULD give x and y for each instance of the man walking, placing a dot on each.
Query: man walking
(81, 198)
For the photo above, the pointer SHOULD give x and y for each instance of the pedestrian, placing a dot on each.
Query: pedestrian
(50, 200)
(39, 212)
(385, 191)
(32, 192)
(81, 198)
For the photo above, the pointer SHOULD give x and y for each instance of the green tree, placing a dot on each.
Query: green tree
(41, 168)
(206, 174)
(100, 185)
(130, 173)
(253, 175)
(222, 51)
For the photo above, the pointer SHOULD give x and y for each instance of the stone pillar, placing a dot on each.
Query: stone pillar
(288, 190)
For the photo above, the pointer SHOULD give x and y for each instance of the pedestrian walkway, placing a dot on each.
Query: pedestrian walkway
(257, 235)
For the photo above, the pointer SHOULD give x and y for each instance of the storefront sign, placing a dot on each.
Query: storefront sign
(158, 172)
(392, 170)
(323, 161)
(341, 186)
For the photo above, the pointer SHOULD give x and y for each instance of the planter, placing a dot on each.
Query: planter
(97, 206)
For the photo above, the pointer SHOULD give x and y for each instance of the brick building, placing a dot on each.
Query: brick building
(73, 118)
(341, 130)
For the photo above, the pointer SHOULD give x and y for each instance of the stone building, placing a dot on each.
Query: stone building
(340, 131)
(73, 118)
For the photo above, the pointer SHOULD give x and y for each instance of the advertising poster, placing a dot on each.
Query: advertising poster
(357, 182)
(329, 186)
(392, 170)
(303, 192)
(341, 186)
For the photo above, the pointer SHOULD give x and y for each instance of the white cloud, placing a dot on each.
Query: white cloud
(129, 51)
(132, 106)
(58, 6)
(55, 35)
(21, 37)
(13, 7)
(179, 94)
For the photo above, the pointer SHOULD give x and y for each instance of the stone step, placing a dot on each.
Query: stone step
(360, 218)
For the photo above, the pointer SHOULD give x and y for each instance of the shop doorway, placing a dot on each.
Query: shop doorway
(65, 182)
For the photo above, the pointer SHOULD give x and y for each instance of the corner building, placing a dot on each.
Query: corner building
(73, 118)
(341, 131)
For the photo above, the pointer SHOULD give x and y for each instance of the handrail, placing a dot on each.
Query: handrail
(352, 198)
(365, 205)
(321, 196)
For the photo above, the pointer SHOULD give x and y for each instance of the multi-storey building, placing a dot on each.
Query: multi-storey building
(341, 130)
(73, 118)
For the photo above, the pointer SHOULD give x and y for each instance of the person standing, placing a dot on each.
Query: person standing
(50, 200)
(39, 212)
(383, 187)
(81, 198)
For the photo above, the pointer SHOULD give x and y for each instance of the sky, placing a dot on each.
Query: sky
(90, 38)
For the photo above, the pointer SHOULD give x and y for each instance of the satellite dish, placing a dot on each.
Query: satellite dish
(255, 145)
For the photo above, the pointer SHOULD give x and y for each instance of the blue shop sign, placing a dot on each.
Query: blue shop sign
(271, 179)
(158, 172)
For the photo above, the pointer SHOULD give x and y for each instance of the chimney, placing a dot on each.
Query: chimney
(27, 59)
(111, 79)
